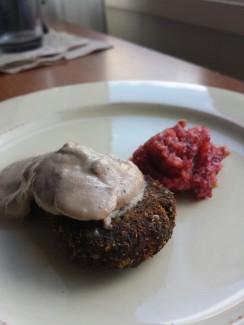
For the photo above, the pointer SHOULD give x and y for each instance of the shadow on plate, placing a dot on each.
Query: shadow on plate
(32, 254)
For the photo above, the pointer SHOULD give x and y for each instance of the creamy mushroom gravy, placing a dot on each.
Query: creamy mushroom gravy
(74, 181)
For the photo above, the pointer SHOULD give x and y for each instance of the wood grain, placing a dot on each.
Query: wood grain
(125, 61)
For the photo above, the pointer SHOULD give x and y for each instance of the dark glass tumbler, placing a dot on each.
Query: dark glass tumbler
(20, 25)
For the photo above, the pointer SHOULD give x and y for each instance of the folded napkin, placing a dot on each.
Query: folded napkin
(57, 46)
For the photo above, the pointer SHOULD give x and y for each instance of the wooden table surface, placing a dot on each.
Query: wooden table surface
(125, 61)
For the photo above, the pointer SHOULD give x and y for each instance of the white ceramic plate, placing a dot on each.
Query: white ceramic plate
(197, 278)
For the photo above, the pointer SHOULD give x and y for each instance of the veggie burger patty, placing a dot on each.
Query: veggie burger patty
(138, 234)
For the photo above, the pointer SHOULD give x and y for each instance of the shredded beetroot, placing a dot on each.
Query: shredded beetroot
(182, 159)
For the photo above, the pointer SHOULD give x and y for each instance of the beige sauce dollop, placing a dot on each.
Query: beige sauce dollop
(74, 181)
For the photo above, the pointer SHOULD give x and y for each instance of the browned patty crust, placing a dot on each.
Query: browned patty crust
(135, 236)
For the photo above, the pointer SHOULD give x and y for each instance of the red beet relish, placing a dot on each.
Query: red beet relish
(182, 159)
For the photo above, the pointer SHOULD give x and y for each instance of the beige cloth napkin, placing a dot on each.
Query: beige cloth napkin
(57, 46)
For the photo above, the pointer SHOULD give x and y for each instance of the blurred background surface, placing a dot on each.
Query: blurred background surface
(205, 32)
